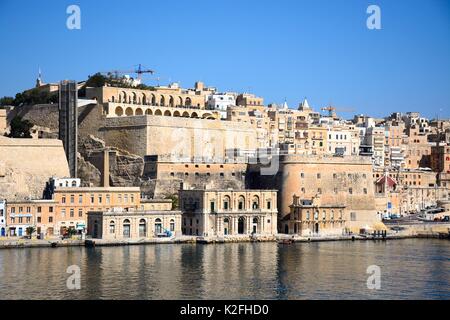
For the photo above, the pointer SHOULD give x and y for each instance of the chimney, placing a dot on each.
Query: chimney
(106, 168)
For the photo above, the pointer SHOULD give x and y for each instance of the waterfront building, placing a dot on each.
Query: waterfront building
(118, 224)
(309, 217)
(228, 212)
(73, 203)
(2, 218)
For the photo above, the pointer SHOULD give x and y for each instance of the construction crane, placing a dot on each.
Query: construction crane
(139, 71)
(332, 111)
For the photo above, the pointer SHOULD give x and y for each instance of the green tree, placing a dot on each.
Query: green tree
(20, 128)
(174, 199)
(7, 101)
(30, 230)
(95, 81)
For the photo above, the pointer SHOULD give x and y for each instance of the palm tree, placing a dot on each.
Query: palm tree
(30, 230)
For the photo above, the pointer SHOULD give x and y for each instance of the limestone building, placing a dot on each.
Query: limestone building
(118, 224)
(228, 212)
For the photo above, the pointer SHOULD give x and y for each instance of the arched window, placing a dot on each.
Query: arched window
(144, 99)
(172, 225)
(316, 215)
(129, 111)
(241, 225)
(142, 228)
(171, 102)
(308, 216)
(226, 226)
(158, 226)
(119, 111)
(324, 215)
(74, 183)
(255, 225)
(241, 203)
(153, 100)
(162, 102)
(126, 228)
(226, 203)
(188, 102)
(255, 203)
(134, 98)
(332, 214)
(112, 227)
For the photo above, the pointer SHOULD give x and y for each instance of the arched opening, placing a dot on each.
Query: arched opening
(162, 101)
(316, 228)
(241, 203)
(188, 102)
(171, 102)
(158, 227)
(186, 114)
(148, 112)
(74, 183)
(286, 229)
(206, 115)
(167, 113)
(112, 227)
(123, 97)
(142, 228)
(295, 228)
(158, 112)
(126, 228)
(177, 114)
(255, 203)
(153, 100)
(144, 99)
(129, 111)
(119, 111)
(134, 98)
(226, 226)
(180, 101)
(255, 225)
(139, 112)
(226, 203)
(241, 224)
(172, 225)
(113, 99)
(194, 115)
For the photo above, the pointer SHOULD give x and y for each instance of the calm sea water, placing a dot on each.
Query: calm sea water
(410, 269)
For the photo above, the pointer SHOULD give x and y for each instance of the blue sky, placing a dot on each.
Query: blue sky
(276, 49)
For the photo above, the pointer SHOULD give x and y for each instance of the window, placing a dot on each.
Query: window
(50, 219)
(92, 198)
(39, 209)
(28, 219)
(80, 213)
(302, 175)
(318, 176)
(100, 199)
(125, 198)
(108, 198)
(226, 203)
(172, 225)
(132, 198)
(324, 215)
(365, 190)
(38, 219)
(13, 220)
(307, 215)
(72, 198)
(212, 206)
(119, 198)
(353, 216)
(269, 204)
(316, 215)
(63, 200)
(71, 213)
(350, 190)
(28, 210)
(50, 209)
(319, 190)
(63, 212)
(112, 227)
(13, 209)
(20, 219)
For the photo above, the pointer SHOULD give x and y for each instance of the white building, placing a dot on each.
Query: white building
(220, 102)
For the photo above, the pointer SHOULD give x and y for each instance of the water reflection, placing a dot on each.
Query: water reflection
(328, 270)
